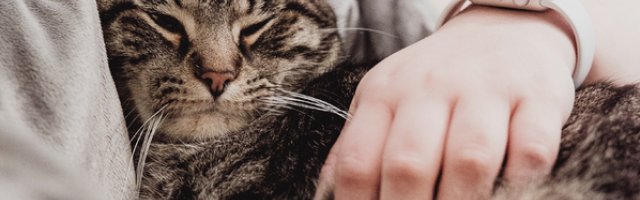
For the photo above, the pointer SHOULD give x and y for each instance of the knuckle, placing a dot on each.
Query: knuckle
(406, 169)
(352, 172)
(535, 156)
(372, 84)
(441, 76)
(475, 165)
(448, 81)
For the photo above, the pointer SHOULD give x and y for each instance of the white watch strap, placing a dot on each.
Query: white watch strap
(574, 13)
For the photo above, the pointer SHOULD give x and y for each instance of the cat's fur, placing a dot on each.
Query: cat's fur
(159, 49)
(278, 156)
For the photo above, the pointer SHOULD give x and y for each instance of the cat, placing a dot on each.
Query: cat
(240, 138)
(198, 70)
(210, 65)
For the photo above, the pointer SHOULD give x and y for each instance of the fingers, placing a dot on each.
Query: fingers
(475, 148)
(358, 160)
(414, 148)
(533, 143)
(327, 173)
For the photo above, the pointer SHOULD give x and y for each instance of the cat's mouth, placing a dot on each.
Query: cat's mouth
(182, 107)
(191, 109)
(202, 119)
(185, 107)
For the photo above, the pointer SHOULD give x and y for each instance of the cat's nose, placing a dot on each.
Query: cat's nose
(217, 81)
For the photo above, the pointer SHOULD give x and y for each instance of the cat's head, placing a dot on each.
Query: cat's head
(206, 64)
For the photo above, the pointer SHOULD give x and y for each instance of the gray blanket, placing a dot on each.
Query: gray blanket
(62, 133)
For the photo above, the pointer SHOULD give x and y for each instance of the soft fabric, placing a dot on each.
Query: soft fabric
(374, 29)
(62, 134)
(61, 104)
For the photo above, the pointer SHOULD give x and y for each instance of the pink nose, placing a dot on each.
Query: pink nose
(218, 81)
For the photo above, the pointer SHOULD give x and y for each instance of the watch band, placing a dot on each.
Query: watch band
(573, 12)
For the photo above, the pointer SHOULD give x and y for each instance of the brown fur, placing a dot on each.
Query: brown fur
(220, 149)
(157, 48)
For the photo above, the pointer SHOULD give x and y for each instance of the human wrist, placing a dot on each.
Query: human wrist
(543, 35)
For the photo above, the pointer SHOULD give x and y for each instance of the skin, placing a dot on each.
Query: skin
(424, 112)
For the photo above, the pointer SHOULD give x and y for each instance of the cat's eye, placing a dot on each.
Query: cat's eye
(167, 22)
(254, 28)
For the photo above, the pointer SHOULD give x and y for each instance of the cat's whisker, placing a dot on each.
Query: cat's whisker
(143, 129)
(126, 103)
(272, 111)
(286, 106)
(293, 99)
(145, 148)
(362, 29)
(302, 69)
(137, 136)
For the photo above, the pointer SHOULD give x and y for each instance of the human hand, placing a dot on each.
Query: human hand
(453, 107)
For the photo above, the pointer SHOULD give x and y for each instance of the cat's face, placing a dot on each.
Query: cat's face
(208, 63)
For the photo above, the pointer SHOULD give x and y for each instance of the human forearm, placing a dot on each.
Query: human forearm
(520, 36)
(617, 27)
(615, 24)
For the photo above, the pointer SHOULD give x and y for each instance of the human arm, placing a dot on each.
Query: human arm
(412, 113)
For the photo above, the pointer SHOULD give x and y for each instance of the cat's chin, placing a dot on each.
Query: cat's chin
(201, 127)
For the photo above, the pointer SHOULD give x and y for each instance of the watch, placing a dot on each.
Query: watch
(573, 12)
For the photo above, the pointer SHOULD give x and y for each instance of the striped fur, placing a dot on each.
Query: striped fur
(156, 46)
(236, 149)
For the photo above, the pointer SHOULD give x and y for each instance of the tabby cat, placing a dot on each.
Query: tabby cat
(217, 79)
